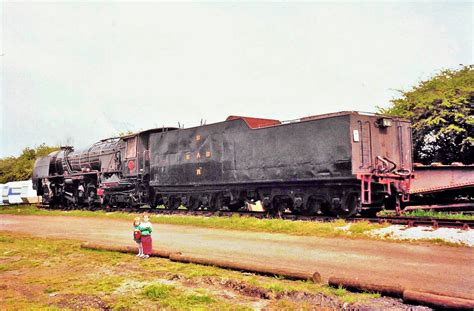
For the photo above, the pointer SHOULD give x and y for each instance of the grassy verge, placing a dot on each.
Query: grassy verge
(429, 214)
(37, 273)
(339, 228)
(303, 228)
(440, 215)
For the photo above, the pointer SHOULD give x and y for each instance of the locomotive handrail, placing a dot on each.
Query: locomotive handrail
(66, 161)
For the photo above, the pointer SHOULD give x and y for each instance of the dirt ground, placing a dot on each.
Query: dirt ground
(439, 269)
(51, 274)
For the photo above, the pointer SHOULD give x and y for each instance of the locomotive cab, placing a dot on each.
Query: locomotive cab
(129, 152)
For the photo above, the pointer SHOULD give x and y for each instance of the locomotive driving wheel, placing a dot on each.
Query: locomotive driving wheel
(90, 197)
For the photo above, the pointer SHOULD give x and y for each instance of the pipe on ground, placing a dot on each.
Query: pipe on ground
(437, 301)
(229, 264)
(409, 296)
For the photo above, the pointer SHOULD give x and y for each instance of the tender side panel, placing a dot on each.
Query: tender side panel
(311, 150)
(189, 156)
(231, 152)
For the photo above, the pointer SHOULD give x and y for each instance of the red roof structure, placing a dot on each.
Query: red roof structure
(255, 122)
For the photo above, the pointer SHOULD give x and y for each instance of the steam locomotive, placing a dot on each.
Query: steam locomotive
(336, 164)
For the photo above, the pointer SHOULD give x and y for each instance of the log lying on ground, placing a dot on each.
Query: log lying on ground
(124, 249)
(409, 296)
(228, 264)
(356, 285)
(437, 301)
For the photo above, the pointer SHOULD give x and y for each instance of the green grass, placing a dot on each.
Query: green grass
(304, 228)
(33, 210)
(440, 215)
(122, 281)
(173, 297)
(159, 291)
(430, 214)
(275, 287)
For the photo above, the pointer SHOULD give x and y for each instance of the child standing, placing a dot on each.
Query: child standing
(137, 236)
(145, 228)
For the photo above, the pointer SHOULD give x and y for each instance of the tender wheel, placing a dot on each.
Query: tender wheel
(348, 207)
(326, 209)
(370, 213)
(312, 207)
(157, 200)
(217, 202)
(234, 207)
(393, 203)
(173, 203)
(278, 207)
(193, 204)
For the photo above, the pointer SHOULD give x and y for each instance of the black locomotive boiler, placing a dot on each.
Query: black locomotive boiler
(336, 164)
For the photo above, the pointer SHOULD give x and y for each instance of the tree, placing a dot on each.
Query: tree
(124, 133)
(21, 168)
(441, 110)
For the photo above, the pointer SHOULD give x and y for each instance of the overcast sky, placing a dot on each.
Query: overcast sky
(79, 72)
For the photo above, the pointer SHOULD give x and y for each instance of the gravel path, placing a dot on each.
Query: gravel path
(441, 269)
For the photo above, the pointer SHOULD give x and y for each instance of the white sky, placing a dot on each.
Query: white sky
(79, 72)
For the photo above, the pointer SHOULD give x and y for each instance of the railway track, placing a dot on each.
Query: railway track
(435, 223)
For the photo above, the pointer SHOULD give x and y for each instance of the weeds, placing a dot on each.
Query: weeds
(170, 296)
(158, 291)
(276, 288)
(430, 214)
(439, 215)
